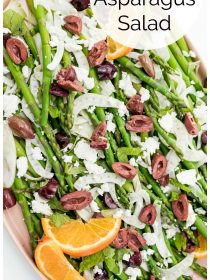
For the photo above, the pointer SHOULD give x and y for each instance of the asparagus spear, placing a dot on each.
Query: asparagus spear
(47, 74)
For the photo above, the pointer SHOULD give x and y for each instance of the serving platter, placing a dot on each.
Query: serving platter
(13, 218)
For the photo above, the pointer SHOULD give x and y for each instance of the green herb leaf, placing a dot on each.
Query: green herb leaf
(174, 196)
(58, 219)
(55, 204)
(124, 152)
(14, 22)
(76, 170)
(91, 261)
(180, 241)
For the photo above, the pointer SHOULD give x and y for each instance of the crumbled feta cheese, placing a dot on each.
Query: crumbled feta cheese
(167, 261)
(83, 151)
(76, 164)
(40, 205)
(97, 270)
(110, 125)
(191, 217)
(37, 153)
(186, 54)
(10, 104)
(192, 54)
(126, 257)
(145, 95)
(150, 146)
(107, 87)
(26, 72)
(22, 166)
(187, 177)
(103, 188)
(91, 109)
(170, 229)
(144, 255)
(200, 211)
(133, 272)
(201, 113)
(172, 162)
(158, 72)
(93, 168)
(150, 238)
(166, 122)
(67, 159)
(126, 84)
(133, 162)
(68, 147)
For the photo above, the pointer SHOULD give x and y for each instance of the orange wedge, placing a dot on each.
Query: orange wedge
(52, 263)
(201, 251)
(115, 49)
(78, 239)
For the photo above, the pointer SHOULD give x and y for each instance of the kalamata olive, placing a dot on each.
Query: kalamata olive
(58, 91)
(21, 127)
(121, 240)
(147, 64)
(97, 215)
(106, 71)
(98, 138)
(80, 5)
(5, 38)
(67, 79)
(125, 170)
(151, 277)
(148, 214)
(159, 164)
(134, 105)
(109, 201)
(190, 124)
(164, 180)
(101, 276)
(190, 247)
(135, 240)
(97, 54)
(73, 24)
(17, 50)
(135, 260)
(8, 198)
(139, 123)
(49, 191)
(180, 208)
(204, 138)
(62, 139)
(76, 200)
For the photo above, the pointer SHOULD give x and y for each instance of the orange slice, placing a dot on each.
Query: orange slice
(52, 263)
(115, 49)
(201, 251)
(78, 239)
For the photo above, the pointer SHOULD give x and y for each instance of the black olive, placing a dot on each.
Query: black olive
(106, 71)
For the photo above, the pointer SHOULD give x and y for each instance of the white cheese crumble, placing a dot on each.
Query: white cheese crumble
(22, 166)
(150, 238)
(26, 72)
(187, 177)
(166, 122)
(10, 104)
(37, 153)
(97, 270)
(110, 125)
(126, 257)
(133, 162)
(93, 168)
(107, 87)
(133, 273)
(145, 95)
(40, 205)
(83, 151)
(103, 188)
(67, 158)
(200, 211)
(91, 109)
(191, 217)
(126, 84)
(150, 145)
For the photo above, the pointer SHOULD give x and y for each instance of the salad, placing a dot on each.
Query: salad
(104, 147)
